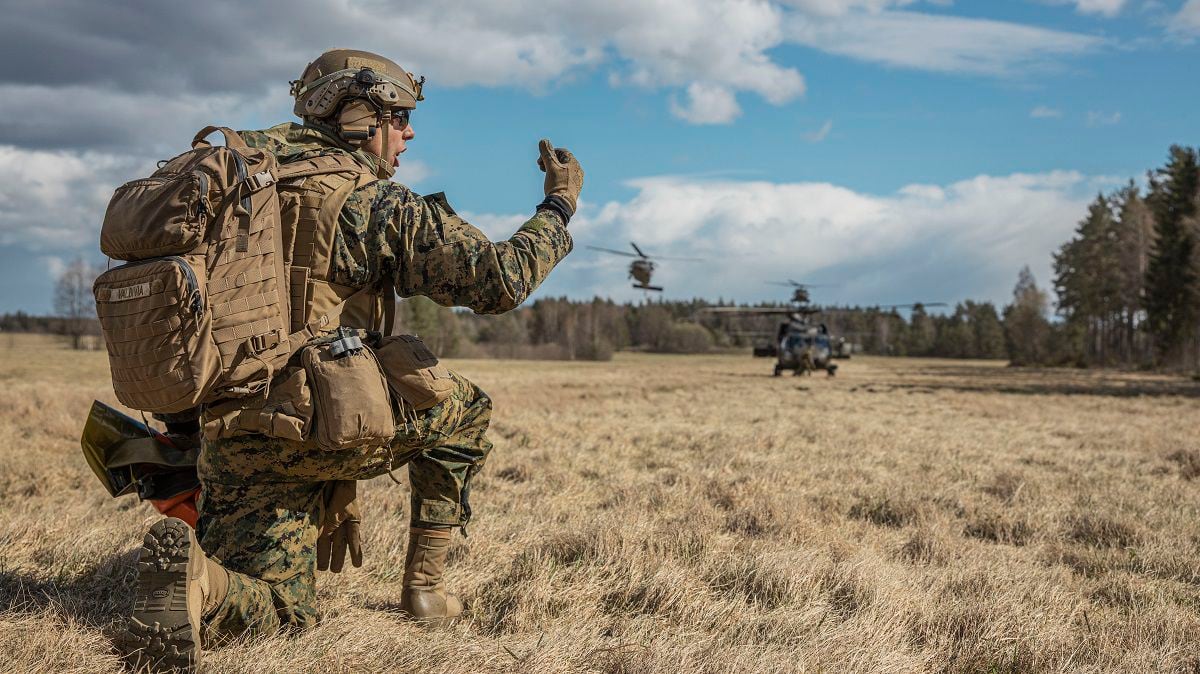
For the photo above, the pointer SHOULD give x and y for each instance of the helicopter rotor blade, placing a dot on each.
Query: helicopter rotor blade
(765, 311)
(794, 284)
(614, 252)
(914, 304)
(639, 250)
(676, 259)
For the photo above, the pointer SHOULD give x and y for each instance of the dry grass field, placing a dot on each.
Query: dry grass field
(685, 514)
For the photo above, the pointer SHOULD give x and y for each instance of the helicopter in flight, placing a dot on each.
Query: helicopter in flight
(800, 344)
(642, 267)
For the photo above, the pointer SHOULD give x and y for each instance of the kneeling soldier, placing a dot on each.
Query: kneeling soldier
(275, 507)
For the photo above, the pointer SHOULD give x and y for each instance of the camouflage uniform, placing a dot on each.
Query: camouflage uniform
(263, 499)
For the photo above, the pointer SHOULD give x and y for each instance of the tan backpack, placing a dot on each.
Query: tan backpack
(203, 310)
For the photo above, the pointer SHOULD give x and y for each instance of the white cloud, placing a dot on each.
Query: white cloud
(1186, 22)
(1044, 112)
(1097, 118)
(707, 104)
(497, 227)
(821, 133)
(55, 265)
(941, 43)
(676, 45)
(411, 171)
(655, 44)
(842, 7)
(950, 242)
(54, 201)
(1105, 8)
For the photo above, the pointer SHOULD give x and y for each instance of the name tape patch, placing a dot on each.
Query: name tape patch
(129, 292)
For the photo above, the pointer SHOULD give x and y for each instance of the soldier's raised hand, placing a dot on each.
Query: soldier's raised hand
(564, 175)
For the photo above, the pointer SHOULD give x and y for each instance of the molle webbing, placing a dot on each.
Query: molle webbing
(310, 211)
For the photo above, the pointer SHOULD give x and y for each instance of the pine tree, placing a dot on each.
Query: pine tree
(1171, 277)
(1026, 330)
(1135, 237)
(1088, 282)
(921, 334)
(989, 331)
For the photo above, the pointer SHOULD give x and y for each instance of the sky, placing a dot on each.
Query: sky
(892, 150)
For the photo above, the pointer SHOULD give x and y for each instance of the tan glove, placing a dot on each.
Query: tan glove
(339, 531)
(564, 175)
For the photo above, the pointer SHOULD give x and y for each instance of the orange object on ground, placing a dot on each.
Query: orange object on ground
(182, 506)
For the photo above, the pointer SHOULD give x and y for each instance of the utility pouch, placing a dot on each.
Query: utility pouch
(285, 411)
(165, 214)
(350, 396)
(161, 349)
(413, 372)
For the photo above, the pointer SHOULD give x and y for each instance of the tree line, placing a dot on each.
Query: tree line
(1128, 281)
(562, 328)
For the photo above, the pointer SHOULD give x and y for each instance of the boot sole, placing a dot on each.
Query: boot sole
(163, 634)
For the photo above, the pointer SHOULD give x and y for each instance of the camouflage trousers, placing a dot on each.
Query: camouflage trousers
(262, 505)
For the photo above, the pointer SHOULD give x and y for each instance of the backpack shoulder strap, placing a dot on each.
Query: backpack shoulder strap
(334, 162)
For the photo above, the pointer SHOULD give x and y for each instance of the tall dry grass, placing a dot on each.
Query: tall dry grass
(689, 514)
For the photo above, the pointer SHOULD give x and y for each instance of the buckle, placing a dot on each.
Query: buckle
(260, 180)
(260, 343)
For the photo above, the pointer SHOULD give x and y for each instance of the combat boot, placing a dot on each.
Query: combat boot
(424, 597)
(176, 586)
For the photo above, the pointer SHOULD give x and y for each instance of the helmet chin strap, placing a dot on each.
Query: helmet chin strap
(383, 169)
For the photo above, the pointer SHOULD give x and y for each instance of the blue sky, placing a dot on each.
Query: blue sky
(902, 150)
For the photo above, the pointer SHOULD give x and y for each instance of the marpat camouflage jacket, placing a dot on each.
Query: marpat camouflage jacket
(389, 234)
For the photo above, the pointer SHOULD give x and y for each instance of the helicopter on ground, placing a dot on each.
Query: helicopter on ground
(800, 344)
(642, 268)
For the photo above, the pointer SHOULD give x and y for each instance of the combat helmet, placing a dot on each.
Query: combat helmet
(355, 93)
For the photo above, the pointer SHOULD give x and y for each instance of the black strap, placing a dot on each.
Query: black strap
(389, 310)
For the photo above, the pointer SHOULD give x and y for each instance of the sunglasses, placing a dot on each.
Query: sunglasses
(400, 118)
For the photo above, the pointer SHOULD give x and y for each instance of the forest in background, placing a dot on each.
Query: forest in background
(1126, 288)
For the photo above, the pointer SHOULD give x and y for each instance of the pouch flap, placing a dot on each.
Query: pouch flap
(413, 372)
